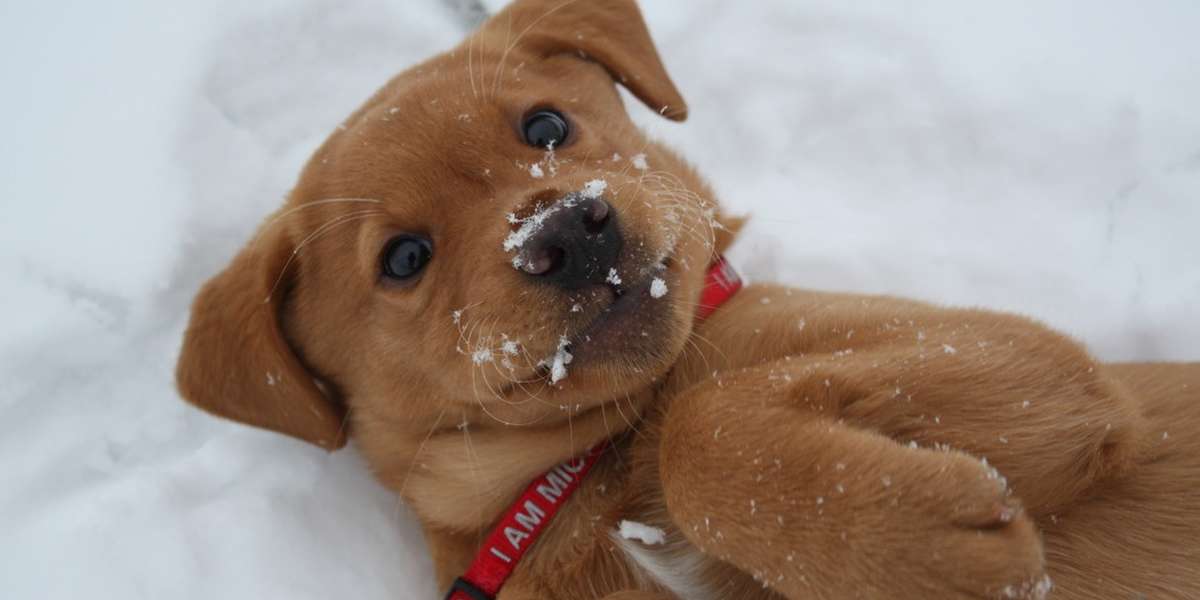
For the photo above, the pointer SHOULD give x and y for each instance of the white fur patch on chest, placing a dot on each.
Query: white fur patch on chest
(673, 563)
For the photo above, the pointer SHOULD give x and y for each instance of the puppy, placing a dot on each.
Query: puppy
(488, 270)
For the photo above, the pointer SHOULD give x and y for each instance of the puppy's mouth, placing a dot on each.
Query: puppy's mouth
(627, 304)
(622, 332)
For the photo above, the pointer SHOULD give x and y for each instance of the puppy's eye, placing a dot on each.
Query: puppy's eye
(545, 128)
(405, 256)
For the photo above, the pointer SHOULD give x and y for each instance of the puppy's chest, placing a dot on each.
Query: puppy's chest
(654, 549)
(616, 535)
(660, 556)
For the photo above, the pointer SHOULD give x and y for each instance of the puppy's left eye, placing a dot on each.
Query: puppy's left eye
(406, 256)
(545, 129)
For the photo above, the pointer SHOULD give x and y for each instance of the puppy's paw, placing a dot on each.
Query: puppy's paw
(977, 541)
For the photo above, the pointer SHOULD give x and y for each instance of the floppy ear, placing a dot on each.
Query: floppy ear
(235, 362)
(610, 32)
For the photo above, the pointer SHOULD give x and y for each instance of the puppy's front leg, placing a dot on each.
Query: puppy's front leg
(759, 476)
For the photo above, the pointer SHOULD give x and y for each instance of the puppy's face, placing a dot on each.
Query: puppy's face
(524, 247)
(488, 241)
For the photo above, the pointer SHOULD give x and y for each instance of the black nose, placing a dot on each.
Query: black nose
(577, 244)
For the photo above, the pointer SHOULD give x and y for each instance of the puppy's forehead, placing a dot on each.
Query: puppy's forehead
(450, 119)
(409, 138)
(480, 79)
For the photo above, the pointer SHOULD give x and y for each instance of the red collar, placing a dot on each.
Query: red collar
(525, 520)
(721, 283)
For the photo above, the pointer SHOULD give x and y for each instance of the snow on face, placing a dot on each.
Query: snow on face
(639, 161)
(481, 356)
(658, 288)
(533, 223)
(613, 277)
(562, 358)
(594, 188)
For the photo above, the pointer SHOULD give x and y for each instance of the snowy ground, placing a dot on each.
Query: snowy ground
(1038, 157)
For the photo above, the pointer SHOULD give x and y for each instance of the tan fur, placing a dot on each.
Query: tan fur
(796, 444)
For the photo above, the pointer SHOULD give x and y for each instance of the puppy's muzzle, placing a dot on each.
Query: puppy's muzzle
(577, 246)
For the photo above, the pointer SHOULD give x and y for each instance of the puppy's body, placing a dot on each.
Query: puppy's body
(1115, 499)
(1136, 536)
(474, 305)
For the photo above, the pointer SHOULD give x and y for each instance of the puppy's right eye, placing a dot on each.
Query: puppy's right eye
(546, 129)
(405, 256)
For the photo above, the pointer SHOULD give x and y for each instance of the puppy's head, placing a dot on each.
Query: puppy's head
(489, 241)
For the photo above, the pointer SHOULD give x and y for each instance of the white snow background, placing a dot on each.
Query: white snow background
(1036, 157)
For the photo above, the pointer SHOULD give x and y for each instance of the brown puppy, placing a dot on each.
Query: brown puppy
(488, 269)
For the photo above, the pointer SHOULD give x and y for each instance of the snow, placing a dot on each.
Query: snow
(482, 356)
(658, 288)
(1035, 157)
(632, 530)
(1038, 589)
(558, 363)
(639, 161)
(532, 224)
(594, 188)
(613, 277)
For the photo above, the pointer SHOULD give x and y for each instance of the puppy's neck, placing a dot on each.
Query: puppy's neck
(463, 478)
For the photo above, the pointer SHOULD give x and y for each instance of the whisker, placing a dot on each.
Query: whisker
(718, 349)
(420, 449)
(474, 466)
(617, 405)
(326, 227)
(509, 46)
(315, 203)
(503, 59)
(471, 65)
